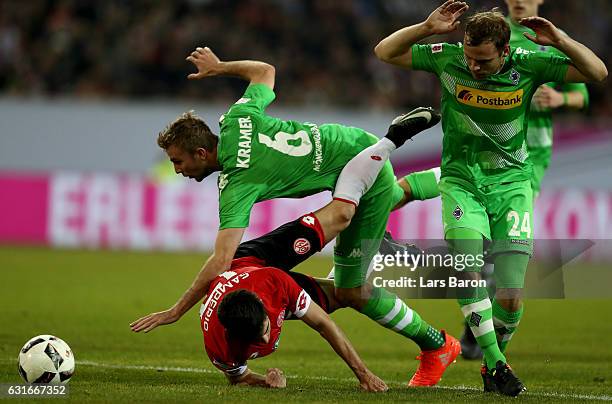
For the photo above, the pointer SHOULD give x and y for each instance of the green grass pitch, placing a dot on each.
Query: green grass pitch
(562, 350)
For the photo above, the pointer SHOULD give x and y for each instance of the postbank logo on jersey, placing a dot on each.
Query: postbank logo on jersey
(488, 99)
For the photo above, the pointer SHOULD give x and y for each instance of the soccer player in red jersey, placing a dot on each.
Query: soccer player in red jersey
(243, 315)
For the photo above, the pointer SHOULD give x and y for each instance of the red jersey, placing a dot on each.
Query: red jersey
(280, 295)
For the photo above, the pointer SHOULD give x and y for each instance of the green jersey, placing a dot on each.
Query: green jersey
(540, 130)
(265, 158)
(485, 121)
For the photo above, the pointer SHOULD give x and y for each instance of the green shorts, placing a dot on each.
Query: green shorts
(358, 243)
(536, 178)
(502, 213)
(540, 160)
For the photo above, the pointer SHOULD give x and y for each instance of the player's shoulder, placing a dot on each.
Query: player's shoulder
(443, 48)
(523, 57)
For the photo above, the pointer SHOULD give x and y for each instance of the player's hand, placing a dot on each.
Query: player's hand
(546, 33)
(370, 382)
(445, 18)
(147, 323)
(276, 379)
(205, 61)
(547, 97)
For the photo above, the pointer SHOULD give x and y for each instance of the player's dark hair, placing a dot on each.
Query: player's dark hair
(487, 26)
(189, 132)
(242, 315)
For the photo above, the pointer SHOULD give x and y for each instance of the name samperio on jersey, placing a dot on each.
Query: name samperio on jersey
(281, 297)
(540, 131)
(265, 158)
(485, 121)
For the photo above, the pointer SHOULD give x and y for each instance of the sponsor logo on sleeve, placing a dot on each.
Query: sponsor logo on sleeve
(222, 181)
(436, 48)
(302, 304)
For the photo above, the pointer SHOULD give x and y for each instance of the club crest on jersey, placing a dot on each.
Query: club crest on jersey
(301, 246)
(457, 213)
(280, 318)
(488, 99)
(515, 76)
(436, 48)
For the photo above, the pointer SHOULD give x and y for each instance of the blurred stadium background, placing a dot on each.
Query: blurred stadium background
(85, 86)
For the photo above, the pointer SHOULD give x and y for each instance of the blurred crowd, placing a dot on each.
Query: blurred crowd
(322, 49)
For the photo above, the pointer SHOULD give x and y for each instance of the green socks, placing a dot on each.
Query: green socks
(391, 312)
(505, 324)
(479, 317)
(424, 184)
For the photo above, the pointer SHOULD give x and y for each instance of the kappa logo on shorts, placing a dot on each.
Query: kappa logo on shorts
(457, 213)
(356, 253)
(475, 319)
(301, 246)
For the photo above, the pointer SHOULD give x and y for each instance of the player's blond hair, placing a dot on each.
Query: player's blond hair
(487, 26)
(188, 132)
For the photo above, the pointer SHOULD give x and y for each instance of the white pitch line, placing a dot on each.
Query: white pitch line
(336, 379)
(327, 378)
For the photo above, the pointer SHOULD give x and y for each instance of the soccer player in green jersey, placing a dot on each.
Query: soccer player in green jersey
(548, 97)
(261, 157)
(486, 173)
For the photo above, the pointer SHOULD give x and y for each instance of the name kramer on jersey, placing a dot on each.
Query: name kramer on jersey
(243, 156)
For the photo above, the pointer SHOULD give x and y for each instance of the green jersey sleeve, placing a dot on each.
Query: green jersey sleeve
(546, 66)
(236, 199)
(577, 87)
(254, 101)
(433, 57)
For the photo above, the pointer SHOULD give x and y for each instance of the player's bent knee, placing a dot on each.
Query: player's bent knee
(343, 214)
(509, 298)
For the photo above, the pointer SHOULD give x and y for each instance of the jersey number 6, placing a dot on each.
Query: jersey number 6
(281, 143)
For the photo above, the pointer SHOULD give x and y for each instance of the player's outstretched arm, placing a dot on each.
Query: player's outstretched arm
(587, 65)
(225, 247)
(396, 48)
(208, 65)
(316, 318)
(548, 97)
(274, 378)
